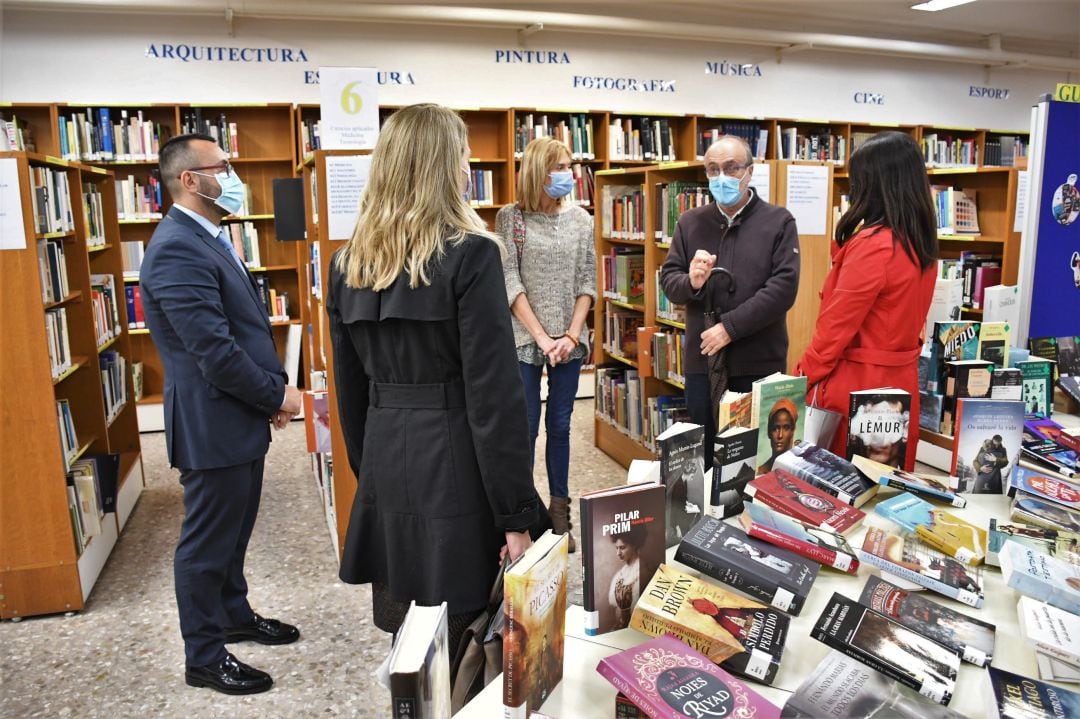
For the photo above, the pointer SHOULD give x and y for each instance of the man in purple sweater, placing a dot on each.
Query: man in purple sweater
(758, 243)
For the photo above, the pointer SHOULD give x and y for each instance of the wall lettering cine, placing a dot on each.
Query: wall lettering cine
(138, 59)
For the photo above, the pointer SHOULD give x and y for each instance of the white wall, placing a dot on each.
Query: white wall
(71, 57)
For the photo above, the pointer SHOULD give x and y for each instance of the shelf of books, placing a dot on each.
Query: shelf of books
(71, 453)
(639, 347)
(126, 140)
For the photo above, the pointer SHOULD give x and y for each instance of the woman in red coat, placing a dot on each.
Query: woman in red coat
(877, 294)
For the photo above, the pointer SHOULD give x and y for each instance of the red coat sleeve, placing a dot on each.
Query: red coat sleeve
(859, 280)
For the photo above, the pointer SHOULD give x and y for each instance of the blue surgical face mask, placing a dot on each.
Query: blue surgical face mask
(560, 185)
(232, 194)
(725, 190)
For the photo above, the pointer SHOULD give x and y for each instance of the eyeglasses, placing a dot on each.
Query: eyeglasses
(223, 166)
(731, 169)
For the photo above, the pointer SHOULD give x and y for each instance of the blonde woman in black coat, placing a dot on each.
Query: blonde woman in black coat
(428, 391)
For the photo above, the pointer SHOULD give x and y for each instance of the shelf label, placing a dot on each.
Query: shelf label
(346, 177)
(349, 103)
(1021, 201)
(988, 93)
(614, 171)
(56, 160)
(625, 84)
(1067, 92)
(12, 229)
(673, 165)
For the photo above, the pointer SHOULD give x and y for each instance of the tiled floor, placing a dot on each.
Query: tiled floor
(123, 657)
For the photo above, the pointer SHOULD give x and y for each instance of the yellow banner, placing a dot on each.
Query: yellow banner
(1067, 93)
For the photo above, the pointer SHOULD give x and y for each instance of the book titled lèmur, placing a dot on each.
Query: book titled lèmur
(878, 425)
(760, 570)
(744, 636)
(843, 687)
(622, 544)
(889, 647)
(535, 614)
(682, 472)
(669, 680)
(972, 638)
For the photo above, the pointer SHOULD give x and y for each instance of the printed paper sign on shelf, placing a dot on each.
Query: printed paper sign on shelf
(808, 197)
(346, 178)
(761, 180)
(12, 230)
(1021, 201)
(349, 104)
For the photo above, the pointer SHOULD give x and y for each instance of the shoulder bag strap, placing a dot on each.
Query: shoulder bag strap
(519, 232)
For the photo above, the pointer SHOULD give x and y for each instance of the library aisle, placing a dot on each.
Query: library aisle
(123, 656)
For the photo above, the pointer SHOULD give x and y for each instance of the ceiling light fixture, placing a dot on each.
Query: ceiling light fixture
(935, 5)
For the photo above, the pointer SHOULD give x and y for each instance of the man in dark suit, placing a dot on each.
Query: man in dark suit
(224, 386)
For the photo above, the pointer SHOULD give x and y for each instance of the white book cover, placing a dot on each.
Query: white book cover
(1050, 630)
(1055, 670)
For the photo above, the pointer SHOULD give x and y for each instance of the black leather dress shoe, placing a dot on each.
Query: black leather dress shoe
(263, 631)
(229, 676)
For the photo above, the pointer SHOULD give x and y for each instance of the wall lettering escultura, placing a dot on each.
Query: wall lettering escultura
(107, 58)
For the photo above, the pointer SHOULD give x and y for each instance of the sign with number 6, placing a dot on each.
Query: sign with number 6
(349, 107)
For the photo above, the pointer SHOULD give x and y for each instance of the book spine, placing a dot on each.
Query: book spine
(822, 555)
(588, 580)
(924, 492)
(969, 598)
(1056, 652)
(632, 692)
(872, 661)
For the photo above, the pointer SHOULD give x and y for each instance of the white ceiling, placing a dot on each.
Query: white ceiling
(1043, 27)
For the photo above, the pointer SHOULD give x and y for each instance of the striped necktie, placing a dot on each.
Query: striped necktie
(224, 241)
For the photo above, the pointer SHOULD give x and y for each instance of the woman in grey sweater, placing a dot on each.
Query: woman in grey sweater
(550, 272)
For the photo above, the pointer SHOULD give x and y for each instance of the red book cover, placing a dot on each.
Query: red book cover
(821, 544)
(790, 495)
(140, 319)
(668, 680)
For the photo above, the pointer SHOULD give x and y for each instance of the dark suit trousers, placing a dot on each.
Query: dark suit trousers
(220, 506)
(698, 405)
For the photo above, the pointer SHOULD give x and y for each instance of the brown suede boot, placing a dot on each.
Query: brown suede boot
(560, 519)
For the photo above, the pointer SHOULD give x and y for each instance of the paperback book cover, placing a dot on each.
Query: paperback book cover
(534, 590)
(669, 680)
(1041, 441)
(419, 665)
(951, 341)
(682, 472)
(964, 379)
(767, 573)
(1050, 630)
(942, 530)
(742, 635)
(889, 647)
(822, 545)
(845, 688)
(1042, 486)
(1038, 385)
(622, 544)
(1042, 513)
(994, 343)
(828, 472)
(1069, 356)
(1041, 577)
(931, 408)
(1019, 697)
(779, 403)
(736, 410)
(925, 486)
(878, 425)
(910, 559)
(1060, 544)
(1007, 383)
(988, 439)
(735, 454)
(788, 494)
(972, 638)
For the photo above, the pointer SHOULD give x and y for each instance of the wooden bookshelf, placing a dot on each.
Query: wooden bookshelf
(40, 569)
(267, 139)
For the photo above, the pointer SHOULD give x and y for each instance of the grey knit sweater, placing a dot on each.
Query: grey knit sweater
(558, 265)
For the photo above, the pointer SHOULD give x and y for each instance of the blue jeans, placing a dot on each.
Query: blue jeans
(562, 389)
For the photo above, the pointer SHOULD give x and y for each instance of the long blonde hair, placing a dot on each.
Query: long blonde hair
(412, 205)
(540, 155)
